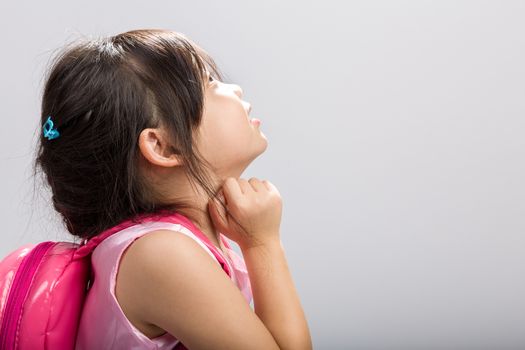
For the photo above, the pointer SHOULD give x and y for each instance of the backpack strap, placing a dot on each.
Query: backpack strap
(87, 246)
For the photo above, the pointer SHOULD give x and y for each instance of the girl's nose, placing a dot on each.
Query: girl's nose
(238, 90)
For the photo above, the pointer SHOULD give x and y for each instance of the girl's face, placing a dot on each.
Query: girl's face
(226, 137)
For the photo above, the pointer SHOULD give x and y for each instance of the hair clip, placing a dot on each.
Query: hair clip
(49, 132)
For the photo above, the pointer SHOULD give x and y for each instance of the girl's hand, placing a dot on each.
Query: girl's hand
(257, 206)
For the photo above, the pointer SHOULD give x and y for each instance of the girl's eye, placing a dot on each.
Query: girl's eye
(211, 79)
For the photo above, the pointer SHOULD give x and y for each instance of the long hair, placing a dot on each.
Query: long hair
(101, 93)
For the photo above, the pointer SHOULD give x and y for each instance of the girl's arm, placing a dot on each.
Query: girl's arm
(257, 207)
(168, 280)
(275, 298)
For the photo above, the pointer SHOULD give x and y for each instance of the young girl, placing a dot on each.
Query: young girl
(142, 136)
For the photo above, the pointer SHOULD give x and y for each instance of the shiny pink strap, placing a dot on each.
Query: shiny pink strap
(177, 218)
(225, 242)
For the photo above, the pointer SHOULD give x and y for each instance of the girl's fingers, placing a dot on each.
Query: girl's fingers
(270, 186)
(245, 186)
(231, 190)
(257, 185)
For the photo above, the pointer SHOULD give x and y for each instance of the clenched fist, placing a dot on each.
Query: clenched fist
(257, 207)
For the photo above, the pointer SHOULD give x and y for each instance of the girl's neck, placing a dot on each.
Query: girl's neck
(201, 219)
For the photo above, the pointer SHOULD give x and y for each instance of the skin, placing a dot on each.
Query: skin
(226, 138)
(163, 274)
(225, 114)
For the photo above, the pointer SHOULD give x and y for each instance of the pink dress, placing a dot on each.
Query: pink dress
(103, 324)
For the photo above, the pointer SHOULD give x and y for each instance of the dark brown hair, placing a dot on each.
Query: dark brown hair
(101, 93)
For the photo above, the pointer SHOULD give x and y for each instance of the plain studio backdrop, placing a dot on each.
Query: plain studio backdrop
(396, 138)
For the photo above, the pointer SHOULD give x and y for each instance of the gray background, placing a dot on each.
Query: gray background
(396, 138)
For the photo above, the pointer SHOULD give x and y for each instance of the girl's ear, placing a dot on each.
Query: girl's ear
(154, 145)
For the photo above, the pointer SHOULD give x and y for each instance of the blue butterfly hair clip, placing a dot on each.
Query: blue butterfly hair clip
(49, 131)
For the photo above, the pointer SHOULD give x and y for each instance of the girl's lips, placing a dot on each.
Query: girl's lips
(255, 121)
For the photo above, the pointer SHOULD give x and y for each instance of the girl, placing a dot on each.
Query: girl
(138, 126)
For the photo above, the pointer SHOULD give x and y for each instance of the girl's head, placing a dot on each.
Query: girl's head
(138, 113)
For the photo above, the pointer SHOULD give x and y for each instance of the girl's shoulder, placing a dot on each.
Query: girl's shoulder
(169, 281)
(129, 296)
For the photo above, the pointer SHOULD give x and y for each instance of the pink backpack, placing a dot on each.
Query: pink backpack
(43, 287)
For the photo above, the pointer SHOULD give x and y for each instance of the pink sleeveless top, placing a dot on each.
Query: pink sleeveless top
(103, 324)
